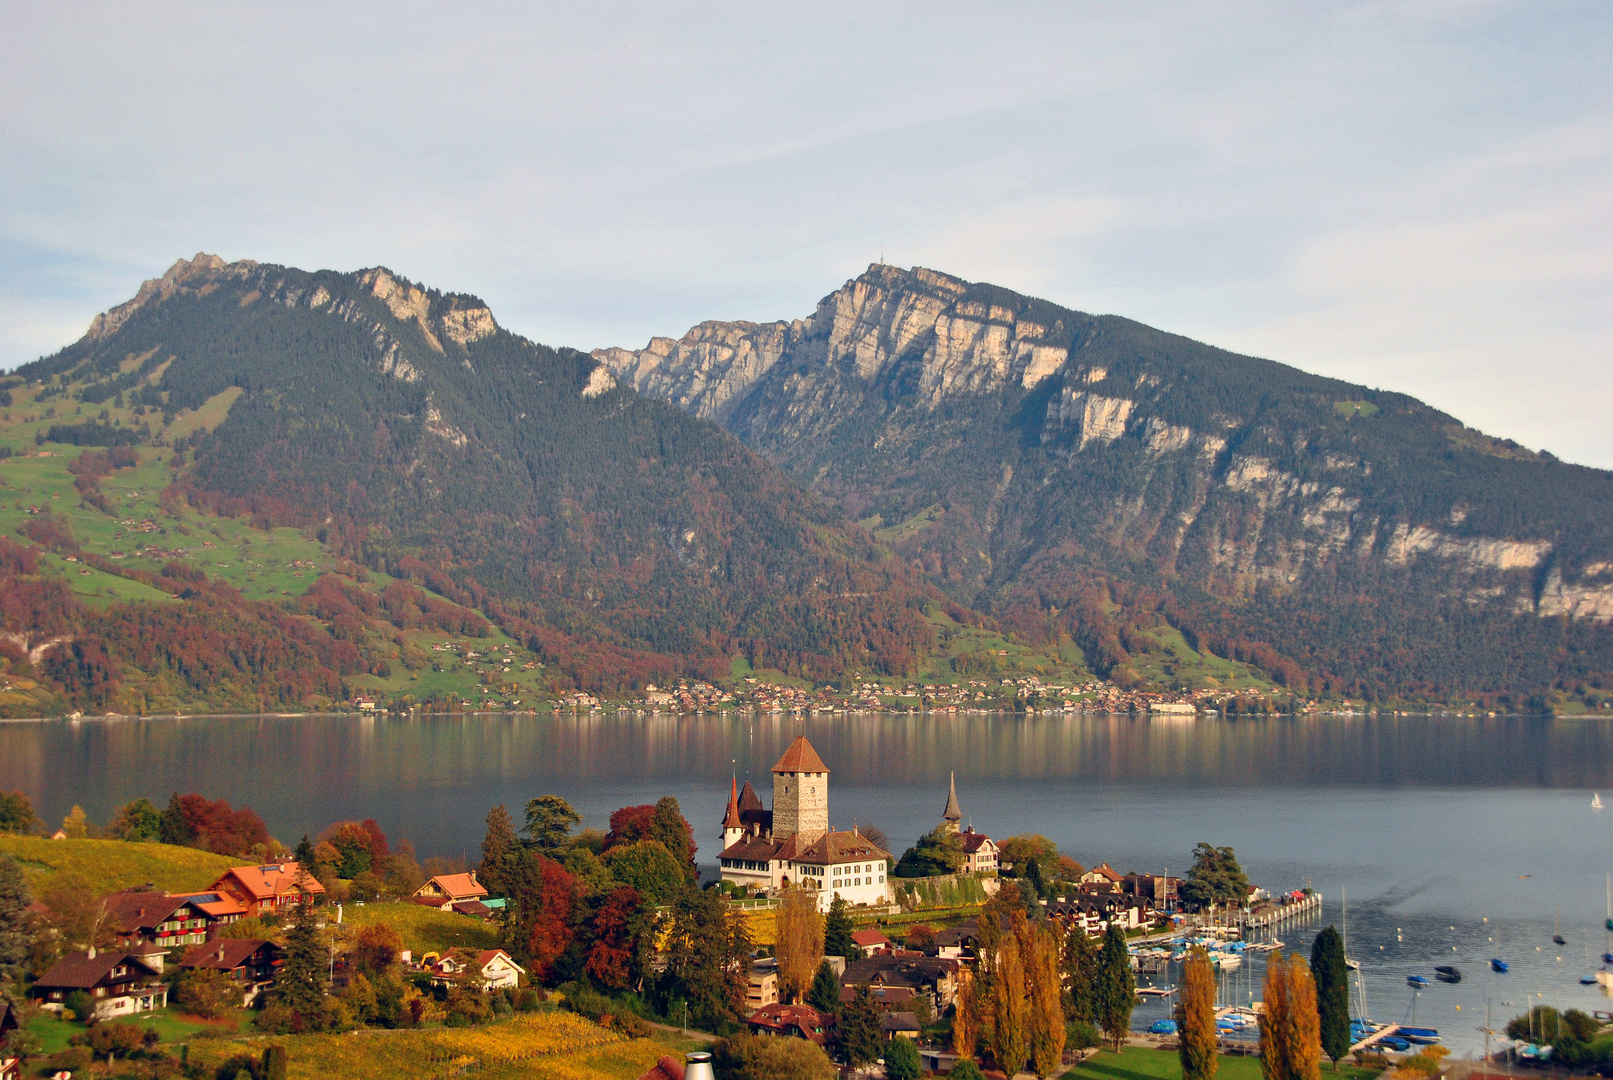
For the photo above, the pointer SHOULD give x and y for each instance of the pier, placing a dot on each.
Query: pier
(1283, 913)
(1381, 1033)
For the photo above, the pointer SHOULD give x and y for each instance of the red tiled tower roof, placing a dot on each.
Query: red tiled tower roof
(731, 819)
(800, 758)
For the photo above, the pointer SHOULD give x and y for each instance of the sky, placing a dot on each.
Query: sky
(1416, 196)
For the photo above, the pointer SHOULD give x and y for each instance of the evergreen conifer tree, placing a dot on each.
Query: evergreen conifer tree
(1117, 991)
(859, 1029)
(837, 932)
(497, 847)
(14, 901)
(1080, 976)
(306, 857)
(825, 993)
(300, 983)
(1332, 993)
(174, 829)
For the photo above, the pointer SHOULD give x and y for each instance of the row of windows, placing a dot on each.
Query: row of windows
(847, 883)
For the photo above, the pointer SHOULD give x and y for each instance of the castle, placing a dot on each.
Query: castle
(792, 844)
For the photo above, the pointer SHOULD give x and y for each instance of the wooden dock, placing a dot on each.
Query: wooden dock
(1382, 1033)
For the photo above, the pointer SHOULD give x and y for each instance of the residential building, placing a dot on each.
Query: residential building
(871, 942)
(893, 1024)
(761, 989)
(794, 844)
(494, 967)
(166, 920)
(269, 889)
(1102, 879)
(119, 982)
(790, 1021)
(929, 975)
(452, 889)
(250, 963)
(1158, 889)
(979, 850)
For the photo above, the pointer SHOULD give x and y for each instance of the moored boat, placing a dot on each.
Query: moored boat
(1425, 1036)
(1447, 973)
(1416, 980)
(1497, 964)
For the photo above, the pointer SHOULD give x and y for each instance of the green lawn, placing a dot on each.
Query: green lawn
(1137, 1063)
(106, 866)
(174, 1027)
(424, 929)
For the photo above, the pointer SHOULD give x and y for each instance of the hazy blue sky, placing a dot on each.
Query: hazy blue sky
(1411, 195)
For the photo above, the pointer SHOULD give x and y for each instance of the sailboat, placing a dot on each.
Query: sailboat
(1557, 930)
(1596, 800)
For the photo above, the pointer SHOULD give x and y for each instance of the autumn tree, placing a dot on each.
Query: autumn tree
(135, 821)
(966, 1017)
(1010, 1008)
(1332, 977)
(798, 932)
(1117, 990)
(1304, 1022)
(17, 813)
(1275, 1028)
(76, 824)
(375, 949)
(1195, 1017)
(612, 954)
(647, 866)
(1047, 1007)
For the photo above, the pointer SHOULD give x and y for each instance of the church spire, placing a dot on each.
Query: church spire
(731, 819)
(953, 813)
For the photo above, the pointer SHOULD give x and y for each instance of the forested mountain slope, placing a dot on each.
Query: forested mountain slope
(410, 434)
(1081, 474)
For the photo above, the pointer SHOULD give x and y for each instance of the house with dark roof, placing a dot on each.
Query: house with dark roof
(933, 976)
(250, 963)
(906, 1024)
(790, 1021)
(794, 844)
(119, 983)
(166, 920)
(269, 889)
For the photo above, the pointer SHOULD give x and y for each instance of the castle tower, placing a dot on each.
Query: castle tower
(953, 814)
(800, 793)
(732, 829)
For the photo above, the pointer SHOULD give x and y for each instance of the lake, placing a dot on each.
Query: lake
(1430, 825)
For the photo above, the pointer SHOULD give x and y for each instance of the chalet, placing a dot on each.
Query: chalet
(793, 843)
(790, 1021)
(452, 889)
(269, 889)
(166, 920)
(1102, 879)
(250, 963)
(493, 967)
(929, 975)
(871, 942)
(120, 983)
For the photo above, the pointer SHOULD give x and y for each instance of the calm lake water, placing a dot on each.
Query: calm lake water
(1431, 826)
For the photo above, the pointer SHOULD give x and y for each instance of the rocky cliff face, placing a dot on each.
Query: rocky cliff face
(1009, 447)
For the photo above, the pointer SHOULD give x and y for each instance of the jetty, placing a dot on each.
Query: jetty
(1282, 913)
(1382, 1033)
(1156, 991)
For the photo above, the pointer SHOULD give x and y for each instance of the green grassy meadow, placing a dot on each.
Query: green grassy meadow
(1139, 1063)
(424, 929)
(107, 866)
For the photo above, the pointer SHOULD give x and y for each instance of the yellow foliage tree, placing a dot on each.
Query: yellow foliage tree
(1195, 1017)
(76, 824)
(1274, 1026)
(1047, 1001)
(966, 1018)
(1010, 1009)
(1304, 1022)
(798, 929)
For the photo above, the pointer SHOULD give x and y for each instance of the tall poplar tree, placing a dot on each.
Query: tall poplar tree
(966, 1017)
(798, 930)
(1117, 990)
(1080, 975)
(1332, 977)
(1276, 994)
(1195, 1017)
(1047, 1007)
(1010, 1009)
(1304, 1023)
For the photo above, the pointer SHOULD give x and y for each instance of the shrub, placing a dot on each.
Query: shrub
(966, 1070)
(233, 1067)
(81, 1005)
(208, 993)
(902, 1059)
(1082, 1035)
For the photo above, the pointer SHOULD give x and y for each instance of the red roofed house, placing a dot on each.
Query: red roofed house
(119, 982)
(871, 942)
(269, 889)
(668, 1068)
(452, 889)
(496, 968)
(250, 963)
(1102, 878)
(793, 1021)
(168, 920)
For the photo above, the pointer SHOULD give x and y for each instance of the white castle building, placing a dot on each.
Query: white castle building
(793, 845)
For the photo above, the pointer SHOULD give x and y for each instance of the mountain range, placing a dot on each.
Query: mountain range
(817, 497)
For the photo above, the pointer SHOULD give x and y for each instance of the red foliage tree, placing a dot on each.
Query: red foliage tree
(630, 824)
(610, 958)
(216, 827)
(551, 931)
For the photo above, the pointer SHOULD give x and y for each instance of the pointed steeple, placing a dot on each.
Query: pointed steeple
(731, 819)
(953, 813)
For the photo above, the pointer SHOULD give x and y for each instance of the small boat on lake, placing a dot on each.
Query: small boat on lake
(1447, 973)
(1416, 980)
(1395, 1043)
(1596, 801)
(1499, 965)
(1425, 1036)
(1557, 939)
(1587, 980)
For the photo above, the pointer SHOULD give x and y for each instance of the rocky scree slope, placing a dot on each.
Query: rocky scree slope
(612, 533)
(1083, 474)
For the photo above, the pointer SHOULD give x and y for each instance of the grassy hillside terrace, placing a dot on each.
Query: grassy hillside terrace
(106, 866)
